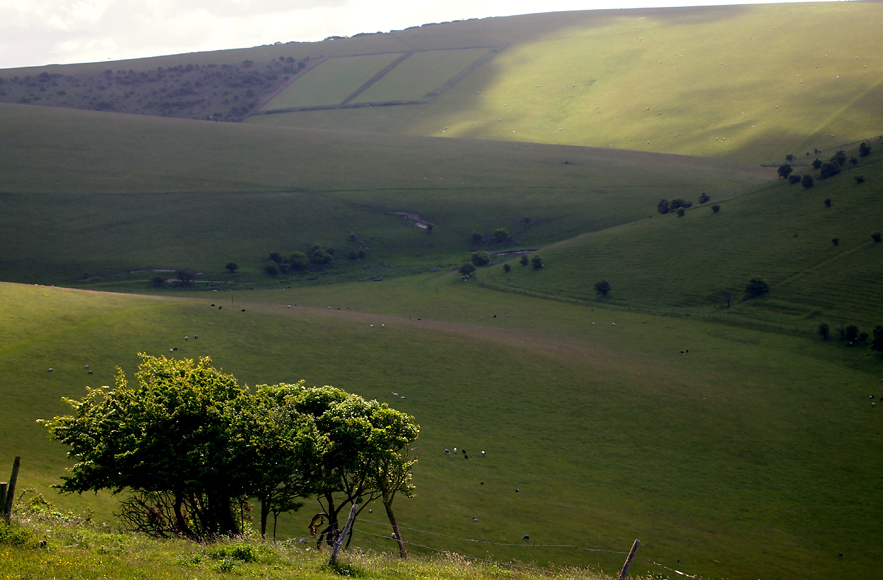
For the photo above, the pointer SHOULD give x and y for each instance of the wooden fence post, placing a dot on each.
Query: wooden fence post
(343, 534)
(628, 561)
(10, 490)
(3, 497)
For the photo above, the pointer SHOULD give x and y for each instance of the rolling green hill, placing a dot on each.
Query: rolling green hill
(741, 82)
(782, 232)
(98, 193)
(749, 83)
(730, 449)
(726, 458)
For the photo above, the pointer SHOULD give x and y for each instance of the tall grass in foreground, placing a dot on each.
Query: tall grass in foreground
(42, 542)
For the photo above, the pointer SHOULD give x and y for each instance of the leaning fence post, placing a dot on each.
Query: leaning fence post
(343, 534)
(10, 490)
(3, 497)
(628, 561)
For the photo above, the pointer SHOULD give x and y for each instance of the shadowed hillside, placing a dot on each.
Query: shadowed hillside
(97, 193)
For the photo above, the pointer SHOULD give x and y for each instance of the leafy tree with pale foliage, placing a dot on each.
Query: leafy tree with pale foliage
(192, 446)
(169, 432)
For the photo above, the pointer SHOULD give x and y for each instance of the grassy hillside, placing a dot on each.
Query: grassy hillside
(100, 193)
(607, 431)
(782, 232)
(740, 82)
(750, 83)
(82, 551)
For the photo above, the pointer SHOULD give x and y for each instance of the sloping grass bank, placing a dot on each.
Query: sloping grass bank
(42, 543)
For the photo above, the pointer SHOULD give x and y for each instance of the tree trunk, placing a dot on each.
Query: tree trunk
(387, 503)
(265, 511)
(180, 521)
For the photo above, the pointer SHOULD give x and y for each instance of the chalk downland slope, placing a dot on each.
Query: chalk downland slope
(750, 83)
(97, 193)
(781, 232)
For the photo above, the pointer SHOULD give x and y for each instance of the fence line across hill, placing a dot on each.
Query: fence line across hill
(366, 535)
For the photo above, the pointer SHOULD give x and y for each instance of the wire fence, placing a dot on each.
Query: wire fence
(382, 542)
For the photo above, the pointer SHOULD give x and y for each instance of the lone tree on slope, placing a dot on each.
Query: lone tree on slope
(756, 287)
(603, 287)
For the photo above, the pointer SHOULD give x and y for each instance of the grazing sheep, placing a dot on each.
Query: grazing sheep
(517, 490)
(289, 305)
(483, 453)
(447, 452)
(195, 336)
(50, 369)
(455, 450)
(90, 372)
(87, 366)
(614, 324)
(467, 457)
(474, 519)
(526, 537)
(186, 338)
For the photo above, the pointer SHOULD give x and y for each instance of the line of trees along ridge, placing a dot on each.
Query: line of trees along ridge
(192, 446)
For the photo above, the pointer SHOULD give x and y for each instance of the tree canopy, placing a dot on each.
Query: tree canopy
(193, 446)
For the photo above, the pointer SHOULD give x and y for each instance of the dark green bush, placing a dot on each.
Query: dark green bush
(756, 286)
(481, 258)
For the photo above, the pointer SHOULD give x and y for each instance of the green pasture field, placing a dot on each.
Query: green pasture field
(750, 456)
(98, 194)
(751, 83)
(331, 82)
(781, 232)
(420, 74)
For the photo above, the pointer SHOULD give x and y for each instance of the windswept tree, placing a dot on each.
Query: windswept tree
(352, 441)
(168, 438)
(191, 446)
(785, 170)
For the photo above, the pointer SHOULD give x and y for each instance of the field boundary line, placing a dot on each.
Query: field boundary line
(377, 76)
(429, 97)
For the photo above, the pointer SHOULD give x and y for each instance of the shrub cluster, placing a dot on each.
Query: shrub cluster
(299, 261)
(665, 206)
(852, 335)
